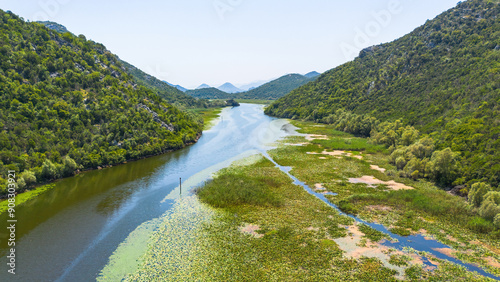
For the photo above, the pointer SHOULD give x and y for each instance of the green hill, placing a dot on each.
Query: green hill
(443, 78)
(269, 91)
(276, 88)
(211, 93)
(170, 93)
(67, 103)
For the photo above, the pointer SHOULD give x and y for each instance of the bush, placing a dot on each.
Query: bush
(477, 192)
(480, 225)
(496, 221)
(49, 170)
(490, 206)
(21, 184)
(443, 167)
(29, 177)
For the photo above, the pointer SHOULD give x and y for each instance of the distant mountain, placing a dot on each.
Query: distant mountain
(229, 88)
(203, 86)
(312, 74)
(210, 93)
(276, 88)
(54, 26)
(176, 86)
(442, 78)
(163, 89)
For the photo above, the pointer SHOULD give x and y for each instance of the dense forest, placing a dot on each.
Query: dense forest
(441, 81)
(67, 103)
(278, 87)
(269, 91)
(170, 93)
(210, 93)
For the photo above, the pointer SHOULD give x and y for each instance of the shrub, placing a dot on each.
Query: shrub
(443, 167)
(490, 206)
(480, 225)
(496, 221)
(49, 170)
(477, 192)
(29, 177)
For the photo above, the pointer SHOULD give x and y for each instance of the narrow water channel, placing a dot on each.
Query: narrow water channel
(416, 242)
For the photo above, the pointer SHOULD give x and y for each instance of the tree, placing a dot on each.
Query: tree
(477, 192)
(443, 166)
(490, 207)
(49, 170)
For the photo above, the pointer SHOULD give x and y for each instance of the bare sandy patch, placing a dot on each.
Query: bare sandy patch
(353, 247)
(298, 144)
(379, 208)
(251, 229)
(319, 186)
(312, 229)
(376, 167)
(371, 181)
(311, 137)
(446, 251)
(322, 158)
(492, 262)
(337, 153)
(491, 248)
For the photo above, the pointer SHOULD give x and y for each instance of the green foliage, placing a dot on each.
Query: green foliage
(496, 221)
(269, 91)
(352, 144)
(477, 192)
(236, 188)
(211, 93)
(276, 88)
(443, 79)
(68, 103)
(443, 166)
(370, 233)
(490, 207)
(29, 177)
(480, 225)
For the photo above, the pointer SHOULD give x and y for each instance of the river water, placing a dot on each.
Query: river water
(69, 232)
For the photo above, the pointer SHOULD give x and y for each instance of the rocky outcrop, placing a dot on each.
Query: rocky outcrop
(156, 118)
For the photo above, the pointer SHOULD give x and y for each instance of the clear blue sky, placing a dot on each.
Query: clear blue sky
(189, 42)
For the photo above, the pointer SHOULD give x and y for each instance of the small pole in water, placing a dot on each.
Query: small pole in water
(180, 184)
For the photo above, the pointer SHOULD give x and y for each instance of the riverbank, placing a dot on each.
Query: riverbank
(209, 119)
(264, 227)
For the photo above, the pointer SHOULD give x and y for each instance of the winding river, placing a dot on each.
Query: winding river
(69, 232)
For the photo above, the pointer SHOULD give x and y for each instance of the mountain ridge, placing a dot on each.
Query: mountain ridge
(443, 78)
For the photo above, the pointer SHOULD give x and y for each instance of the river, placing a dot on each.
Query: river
(69, 232)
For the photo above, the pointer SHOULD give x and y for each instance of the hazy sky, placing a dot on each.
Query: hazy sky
(190, 42)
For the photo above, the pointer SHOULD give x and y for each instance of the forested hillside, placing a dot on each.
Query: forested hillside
(67, 103)
(278, 87)
(210, 93)
(269, 91)
(443, 78)
(170, 93)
